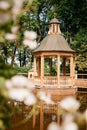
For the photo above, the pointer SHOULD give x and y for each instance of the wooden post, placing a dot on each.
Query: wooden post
(72, 70)
(50, 65)
(58, 70)
(58, 114)
(42, 71)
(41, 116)
(39, 66)
(34, 120)
(64, 66)
(34, 66)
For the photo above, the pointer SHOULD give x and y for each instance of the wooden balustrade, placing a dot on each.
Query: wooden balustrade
(51, 81)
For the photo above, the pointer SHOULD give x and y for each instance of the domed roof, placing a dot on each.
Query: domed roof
(54, 20)
(54, 42)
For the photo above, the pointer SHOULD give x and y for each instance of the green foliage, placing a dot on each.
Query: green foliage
(24, 69)
(6, 70)
(79, 44)
(5, 108)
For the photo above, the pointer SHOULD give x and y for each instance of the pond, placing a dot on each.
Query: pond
(24, 110)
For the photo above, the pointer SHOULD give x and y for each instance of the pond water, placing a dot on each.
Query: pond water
(24, 110)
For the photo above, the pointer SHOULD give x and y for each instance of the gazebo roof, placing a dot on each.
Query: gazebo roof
(54, 20)
(54, 42)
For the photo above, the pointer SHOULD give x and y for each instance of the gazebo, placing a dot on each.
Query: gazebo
(54, 53)
(53, 72)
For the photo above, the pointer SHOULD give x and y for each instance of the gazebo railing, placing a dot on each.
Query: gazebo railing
(65, 81)
(37, 81)
(51, 81)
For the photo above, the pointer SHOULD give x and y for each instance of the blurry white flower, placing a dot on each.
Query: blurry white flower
(30, 99)
(30, 35)
(8, 84)
(4, 17)
(31, 44)
(30, 85)
(53, 126)
(26, 42)
(68, 118)
(17, 6)
(10, 36)
(45, 97)
(70, 104)
(4, 5)
(42, 95)
(19, 81)
(14, 29)
(70, 126)
(18, 94)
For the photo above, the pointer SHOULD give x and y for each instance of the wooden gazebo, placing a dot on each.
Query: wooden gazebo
(54, 72)
(55, 50)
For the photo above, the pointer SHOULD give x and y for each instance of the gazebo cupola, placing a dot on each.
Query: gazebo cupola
(54, 27)
(54, 60)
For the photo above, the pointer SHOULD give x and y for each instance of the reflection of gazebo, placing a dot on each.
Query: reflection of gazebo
(54, 53)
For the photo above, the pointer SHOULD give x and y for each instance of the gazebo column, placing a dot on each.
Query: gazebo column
(64, 66)
(39, 66)
(50, 65)
(34, 66)
(58, 70)
(42, 71)
(72, 70)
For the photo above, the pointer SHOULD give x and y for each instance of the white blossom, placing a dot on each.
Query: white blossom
(45, 97)
(17, 6)
(30, 85)
(10, 36)
(68, 118)
(31, 44)
(30, 99)
(18, 94)
(30, 35)
(70, 104)
(14, 29)
(4, 5)
(70, 126)
(19, 81)
(53, 126)
(8, 84)
(4, 17)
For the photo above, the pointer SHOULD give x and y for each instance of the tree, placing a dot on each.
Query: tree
(79, 44)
